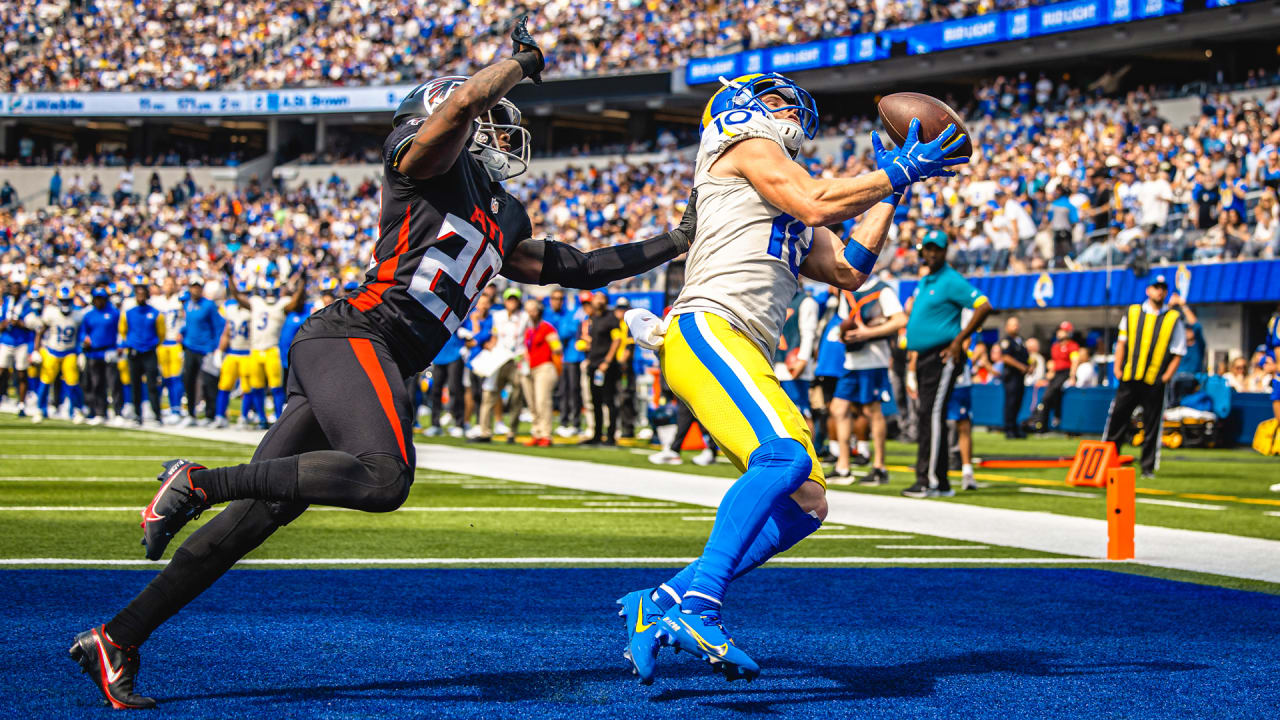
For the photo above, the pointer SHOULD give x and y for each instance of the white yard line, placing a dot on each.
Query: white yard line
(1190, 550)
(1180, 504)
(136, 458)
(785, 560)
(32, 478)
(821, 536)
(625, 503)
(1059, 493)
(932, 547)
(402, 509)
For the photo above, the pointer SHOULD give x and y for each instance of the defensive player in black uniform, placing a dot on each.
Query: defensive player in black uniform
(447, 228)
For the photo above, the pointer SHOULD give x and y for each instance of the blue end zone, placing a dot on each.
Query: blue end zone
(834, 643)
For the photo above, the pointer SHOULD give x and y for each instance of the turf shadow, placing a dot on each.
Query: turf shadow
(914, 679)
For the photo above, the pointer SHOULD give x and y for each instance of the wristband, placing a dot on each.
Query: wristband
(530, 63)
(893, 198)
(862, 259)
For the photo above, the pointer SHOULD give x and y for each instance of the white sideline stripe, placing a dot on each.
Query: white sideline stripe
(932, 547)
(1181, 504)
(402, 509)
(1191, 550)
(1059, 493)
(817, 536)
(699, 518)
(137, 458)
(1272, 513)
(786, 560)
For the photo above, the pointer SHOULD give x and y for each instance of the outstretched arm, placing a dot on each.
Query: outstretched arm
(547, 262)
(446, 131)
(829, 260)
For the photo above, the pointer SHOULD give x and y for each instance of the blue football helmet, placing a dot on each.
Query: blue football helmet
(744, 93)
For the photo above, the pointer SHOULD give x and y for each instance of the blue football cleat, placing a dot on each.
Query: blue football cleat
(704, 635)
(642, 616)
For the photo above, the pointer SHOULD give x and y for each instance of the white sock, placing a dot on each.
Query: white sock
(967, 469)
(864, 448)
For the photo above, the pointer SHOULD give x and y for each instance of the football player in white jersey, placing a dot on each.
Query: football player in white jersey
(234, 348)
(762, 225)
(59, 342)
(268, 311)
(169, 354)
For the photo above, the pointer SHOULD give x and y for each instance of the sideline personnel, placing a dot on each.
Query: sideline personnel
(934, 333)
(1151, 344)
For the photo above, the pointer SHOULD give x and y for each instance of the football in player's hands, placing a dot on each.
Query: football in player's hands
(897, 110)
(523, 42)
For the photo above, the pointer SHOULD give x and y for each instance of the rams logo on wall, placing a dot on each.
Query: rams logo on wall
(1043, 291)
(1182, 281)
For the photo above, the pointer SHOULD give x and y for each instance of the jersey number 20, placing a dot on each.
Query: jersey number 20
(475, 263)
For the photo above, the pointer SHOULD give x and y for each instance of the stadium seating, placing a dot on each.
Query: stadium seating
(204, 44)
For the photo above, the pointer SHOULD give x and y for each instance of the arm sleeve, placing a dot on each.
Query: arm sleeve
(569, 267)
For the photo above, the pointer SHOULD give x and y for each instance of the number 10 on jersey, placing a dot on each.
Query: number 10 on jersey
(789, 241)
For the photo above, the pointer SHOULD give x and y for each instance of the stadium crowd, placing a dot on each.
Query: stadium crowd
(199, 44)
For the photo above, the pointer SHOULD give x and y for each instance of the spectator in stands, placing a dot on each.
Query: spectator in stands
(1237, 375)
(55, 188)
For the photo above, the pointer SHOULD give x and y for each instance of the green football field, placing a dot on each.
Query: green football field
(71, 496)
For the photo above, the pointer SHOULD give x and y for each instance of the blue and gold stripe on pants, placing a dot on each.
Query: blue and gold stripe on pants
(730, 386)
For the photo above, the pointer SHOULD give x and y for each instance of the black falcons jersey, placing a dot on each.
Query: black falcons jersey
(440, 241)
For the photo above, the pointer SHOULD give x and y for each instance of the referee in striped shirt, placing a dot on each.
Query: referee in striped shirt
(935, 335)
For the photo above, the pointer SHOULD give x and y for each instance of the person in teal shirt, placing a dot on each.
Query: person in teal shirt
(935, 336)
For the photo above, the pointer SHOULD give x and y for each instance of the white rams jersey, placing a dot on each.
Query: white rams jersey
(268, 321)
(237, 327)
(744, 265)
(171, 308)
(61, 330)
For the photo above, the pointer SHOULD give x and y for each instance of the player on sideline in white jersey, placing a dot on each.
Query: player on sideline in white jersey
(765, 226)
(234, 348)
(267, 313)
(169, 354)
(59, 342)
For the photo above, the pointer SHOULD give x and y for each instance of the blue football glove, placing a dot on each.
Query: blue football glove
(917, 160)
(884, 161)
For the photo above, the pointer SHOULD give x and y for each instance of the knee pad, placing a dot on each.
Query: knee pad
(391, 479)
(786, 458)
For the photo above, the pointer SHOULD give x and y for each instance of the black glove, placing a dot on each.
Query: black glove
(684, 232)
(526, 52)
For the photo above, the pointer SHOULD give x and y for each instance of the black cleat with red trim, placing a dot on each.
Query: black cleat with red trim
(176, 503)
(111, 668)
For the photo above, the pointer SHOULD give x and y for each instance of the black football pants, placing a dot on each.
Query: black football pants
(1134, 394)
(936, 379)
(344, 440)
(145, 368)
